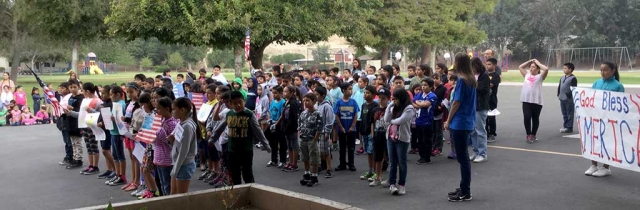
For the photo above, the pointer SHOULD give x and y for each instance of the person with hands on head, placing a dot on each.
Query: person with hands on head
(531, 96)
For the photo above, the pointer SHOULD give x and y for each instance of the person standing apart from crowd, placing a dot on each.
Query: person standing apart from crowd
(483, 92)
(610, 81)
(494, 82)
(183, 153)
(399, 114)
(565, 95)
(460, 123)
(531, 96)
(6, 80)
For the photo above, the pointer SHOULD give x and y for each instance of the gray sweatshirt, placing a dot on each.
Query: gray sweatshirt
(403, 122)
(328, 117)
(184, 152)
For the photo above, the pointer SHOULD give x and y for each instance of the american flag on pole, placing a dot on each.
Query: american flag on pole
(147, 132)
(247, 44)
(57, 109)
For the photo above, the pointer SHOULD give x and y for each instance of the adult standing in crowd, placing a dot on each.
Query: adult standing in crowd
(6, 80)
(461, 122)
(531, 96)
(489, 54)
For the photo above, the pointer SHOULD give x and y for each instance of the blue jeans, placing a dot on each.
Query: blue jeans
(566, 107)
(68, 150)
(459, 138)
(163, 173)
(397, 157)
(479, 134)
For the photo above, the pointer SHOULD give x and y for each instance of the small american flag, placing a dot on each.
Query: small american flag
(147, 132)
(197, 99)
(57, 109)
(247, 44)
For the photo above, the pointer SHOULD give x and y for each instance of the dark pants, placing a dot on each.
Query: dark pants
(240, 164)
(278, 145)
(438, 137)
(163, 177)
(531, 117)
(414, 138)
(491, 125)
(347, 144)
(567, 108)
(425, 136)
(460, 138)
(68, 150)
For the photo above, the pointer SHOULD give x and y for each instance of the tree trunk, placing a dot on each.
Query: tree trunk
(189, 66)
(238, 52)
(426, 54)
(16, 49)
(385, 56)
(558, 53)
(432, 58)
(74, 55)
(33, 58)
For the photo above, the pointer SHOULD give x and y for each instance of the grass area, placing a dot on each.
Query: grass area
(28, 81)
(631, 78)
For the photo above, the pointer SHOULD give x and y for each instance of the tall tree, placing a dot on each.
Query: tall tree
(222, 24)
(76, 21)
(13, 28)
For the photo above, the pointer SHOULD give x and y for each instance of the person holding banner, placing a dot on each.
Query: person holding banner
(461, 122)
(106, 143)
(610, 81)
(531, 96)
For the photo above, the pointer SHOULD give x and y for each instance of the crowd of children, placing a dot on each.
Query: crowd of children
(299, 114)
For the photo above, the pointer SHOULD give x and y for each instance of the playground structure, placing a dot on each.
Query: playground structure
(91, 66)
(590, 58)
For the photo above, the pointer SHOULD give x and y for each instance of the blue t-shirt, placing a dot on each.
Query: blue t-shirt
(347, 111)
(610, 84)
(358, 95)
(424, 116)
(275, 109)
(335, 95)
(113, 113)
(465, 117)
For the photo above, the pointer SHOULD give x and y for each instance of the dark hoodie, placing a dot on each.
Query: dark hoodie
(252, 94)
(189, 81)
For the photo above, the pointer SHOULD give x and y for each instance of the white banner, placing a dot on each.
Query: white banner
(609, 126)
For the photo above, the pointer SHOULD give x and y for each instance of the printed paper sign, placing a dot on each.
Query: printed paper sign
(106, 118)
(177, 133)
(203, 113)
(92, 122)
(83, 113)
(609, 127)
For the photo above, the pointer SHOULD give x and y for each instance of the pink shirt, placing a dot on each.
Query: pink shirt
(42, 115)
(20, 97)
(15, 115)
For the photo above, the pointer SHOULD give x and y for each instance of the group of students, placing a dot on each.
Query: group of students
(14, 111)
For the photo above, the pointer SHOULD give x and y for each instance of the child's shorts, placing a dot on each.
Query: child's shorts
(129, 143)
(214, 154)
(324, 146)
(292, 142)
(379, 146)
(310, 152)
(90, 141)
(186, 171)
(367, 142)
(106, 144)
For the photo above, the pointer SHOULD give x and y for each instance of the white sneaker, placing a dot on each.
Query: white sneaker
(602, 172)
(592, 169)
(480, 159)
(385, 183)
(375, 183)
(401, 190)
(393, 189)
(472, 157)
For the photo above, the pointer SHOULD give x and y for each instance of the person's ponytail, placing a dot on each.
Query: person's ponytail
(194, 117)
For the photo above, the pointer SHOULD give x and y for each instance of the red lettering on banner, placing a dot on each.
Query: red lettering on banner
(594, 136)
(638, 144)
(580, 133)
(615, 141)
(586, 101)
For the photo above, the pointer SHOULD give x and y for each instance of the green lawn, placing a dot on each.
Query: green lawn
(631, 78)
(28, 81)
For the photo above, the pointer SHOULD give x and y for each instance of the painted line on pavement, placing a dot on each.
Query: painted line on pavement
(537, 151)
(573, 136)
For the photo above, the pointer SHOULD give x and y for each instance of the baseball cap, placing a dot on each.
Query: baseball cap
(384, 92)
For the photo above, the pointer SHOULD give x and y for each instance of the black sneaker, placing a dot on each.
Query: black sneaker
(328, 174)
(118, 181)
(341, 168)
(85, 170)
(210, 177)
(352, 168)
(313, 181)
(460, 197)
(104, 175)
(292, 169)
(454, 192)
(108, 182)
(64, 162)
(92, 171)
(423, 162)
(204, 175)
(73, 164)
(305, 179)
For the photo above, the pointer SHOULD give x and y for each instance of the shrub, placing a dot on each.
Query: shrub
(160, 68)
